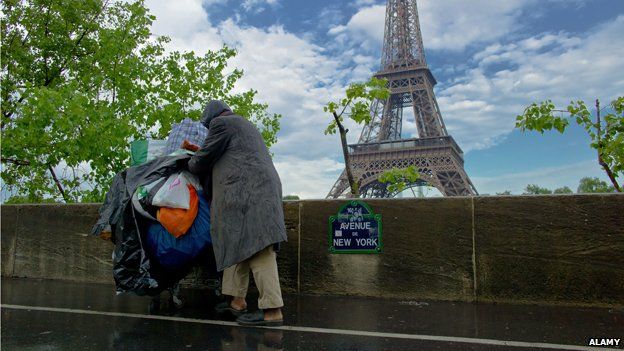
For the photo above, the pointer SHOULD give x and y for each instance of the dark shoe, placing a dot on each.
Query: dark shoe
(257, 318)
(225, 306)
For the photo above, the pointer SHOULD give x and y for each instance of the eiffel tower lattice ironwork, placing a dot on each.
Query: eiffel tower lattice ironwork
(436, 155)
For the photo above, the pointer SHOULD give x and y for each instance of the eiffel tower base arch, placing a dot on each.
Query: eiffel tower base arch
(438, 160)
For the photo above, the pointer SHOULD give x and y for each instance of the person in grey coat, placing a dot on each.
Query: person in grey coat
(247, 218)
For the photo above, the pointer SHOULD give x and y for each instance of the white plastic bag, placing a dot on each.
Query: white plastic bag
(175, 193)
(193, 180)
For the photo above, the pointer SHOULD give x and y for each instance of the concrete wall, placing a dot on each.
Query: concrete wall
(53, 241)
(526, 249)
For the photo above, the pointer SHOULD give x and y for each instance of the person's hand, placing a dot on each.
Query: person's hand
(189, 146)
(106, 235)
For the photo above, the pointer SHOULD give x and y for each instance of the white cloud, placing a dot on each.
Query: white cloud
(308, 179)
(481, 105)
(445, 25)
(180, 18)
(362, 3)
(257, 5)
(455, 24)
(328, 17)
(365, 28)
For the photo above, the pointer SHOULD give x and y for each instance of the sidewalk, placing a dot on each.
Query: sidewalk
(38, 314)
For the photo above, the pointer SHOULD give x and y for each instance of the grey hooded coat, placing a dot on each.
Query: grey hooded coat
(246, 210)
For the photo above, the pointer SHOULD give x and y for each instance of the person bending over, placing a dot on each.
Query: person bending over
(247, 218)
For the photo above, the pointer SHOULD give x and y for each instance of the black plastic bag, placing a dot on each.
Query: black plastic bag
(133, 270)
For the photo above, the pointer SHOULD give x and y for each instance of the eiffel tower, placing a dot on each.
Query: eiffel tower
(436, 155)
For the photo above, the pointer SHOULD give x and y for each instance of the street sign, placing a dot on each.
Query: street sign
(355, 229)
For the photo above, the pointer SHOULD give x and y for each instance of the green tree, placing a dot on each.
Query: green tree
(563, 190)
(397, 179)
(606, 132)
(290, 197)
(83, 78)
(355, 106)
(593, 185)
(27, 200)
(533, 189)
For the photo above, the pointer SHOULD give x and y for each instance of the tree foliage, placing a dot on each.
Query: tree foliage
(534, 189)
(563, 190)
(398, 179)
(586, 185)
(606, 133)
(82, 78)
(594, 185)
(355, 106)
(13, 200)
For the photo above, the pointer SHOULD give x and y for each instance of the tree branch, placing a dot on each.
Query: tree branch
(345, 107)
(607, 169)
(10, 113)
(16, 161)
(58, 183)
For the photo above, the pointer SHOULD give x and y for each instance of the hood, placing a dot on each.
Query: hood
(212, 110)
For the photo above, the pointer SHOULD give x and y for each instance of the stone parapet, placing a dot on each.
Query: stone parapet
(566, 249)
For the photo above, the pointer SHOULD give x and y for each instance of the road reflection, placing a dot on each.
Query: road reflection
(253, 339)
(155, 335)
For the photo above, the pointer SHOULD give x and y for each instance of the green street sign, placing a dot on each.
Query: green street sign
(355, 230)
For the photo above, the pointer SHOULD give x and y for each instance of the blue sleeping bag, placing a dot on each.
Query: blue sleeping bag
(175, 253)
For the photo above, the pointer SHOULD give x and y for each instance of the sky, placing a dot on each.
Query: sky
(491, 59)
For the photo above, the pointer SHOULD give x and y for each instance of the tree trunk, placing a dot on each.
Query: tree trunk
(355, 191)
(602, 163)
(605, 166)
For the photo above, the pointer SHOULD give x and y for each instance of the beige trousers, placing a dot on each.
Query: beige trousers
(263, 265)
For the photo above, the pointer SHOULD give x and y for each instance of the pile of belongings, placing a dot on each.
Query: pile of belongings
(158, 217)
(180, 219)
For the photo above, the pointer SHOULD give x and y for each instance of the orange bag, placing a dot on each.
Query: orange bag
(177, 221)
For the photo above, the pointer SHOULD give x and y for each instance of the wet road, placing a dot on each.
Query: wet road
(51, 315)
